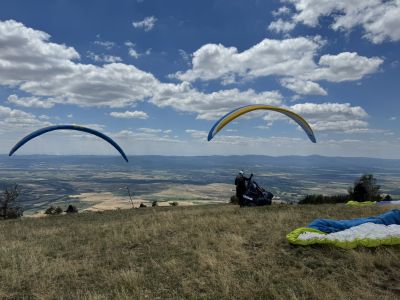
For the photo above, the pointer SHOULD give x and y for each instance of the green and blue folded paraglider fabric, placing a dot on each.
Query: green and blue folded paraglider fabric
(369, 232)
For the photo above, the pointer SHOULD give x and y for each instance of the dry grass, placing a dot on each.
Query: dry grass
(214, 252)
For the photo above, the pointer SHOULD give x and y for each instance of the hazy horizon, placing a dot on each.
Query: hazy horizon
(156, 75)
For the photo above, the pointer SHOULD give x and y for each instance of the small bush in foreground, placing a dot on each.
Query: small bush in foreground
(173, 203)
(53, 210)
(71, 209)
(234, 200)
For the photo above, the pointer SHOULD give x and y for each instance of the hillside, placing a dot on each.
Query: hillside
(214, 251)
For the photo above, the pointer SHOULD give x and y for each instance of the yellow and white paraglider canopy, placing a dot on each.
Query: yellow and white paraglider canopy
(229, 117)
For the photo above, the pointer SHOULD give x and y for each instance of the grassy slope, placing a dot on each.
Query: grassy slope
(217, 252)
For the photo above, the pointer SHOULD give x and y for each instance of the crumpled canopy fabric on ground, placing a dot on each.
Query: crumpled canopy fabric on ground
(368, 232)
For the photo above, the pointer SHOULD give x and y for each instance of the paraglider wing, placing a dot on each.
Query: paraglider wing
(68, 127)
(245, 109)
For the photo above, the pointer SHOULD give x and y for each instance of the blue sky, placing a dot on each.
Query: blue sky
(155, 75)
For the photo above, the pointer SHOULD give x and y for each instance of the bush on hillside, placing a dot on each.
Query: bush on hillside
(71, 209)
(49, 210)
(53, 210)
(322, 199)
(173, 203)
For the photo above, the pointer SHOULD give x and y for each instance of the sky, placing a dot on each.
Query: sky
(155, 75)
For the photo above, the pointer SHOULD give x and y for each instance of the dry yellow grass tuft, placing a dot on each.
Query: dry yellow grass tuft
(215, 252)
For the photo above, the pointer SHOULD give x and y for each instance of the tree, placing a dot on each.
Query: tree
(365, 189)
(8, 203)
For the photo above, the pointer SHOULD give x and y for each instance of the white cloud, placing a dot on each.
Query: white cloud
(147, 24)
(155, 137)
(341, 117)
(198, 134)
(106, 44)
(330, 110)
(131, 49)
(150, 130)
(334, 117)
(27, 54)
(378, 18)
(130, 115)
(344, 67)
(30, 101)
(132, 52)
(281, 26)
(185, 56)
(62, 80)
(303, 87)
(284, 10)
(103, 57)
(44, 117)
(18, 120)
(293, 57)
(112, 85)
(183, 97)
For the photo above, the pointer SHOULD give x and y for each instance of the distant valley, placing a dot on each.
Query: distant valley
(102, 182)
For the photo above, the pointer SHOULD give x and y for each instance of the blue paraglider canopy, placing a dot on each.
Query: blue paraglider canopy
(67, 127)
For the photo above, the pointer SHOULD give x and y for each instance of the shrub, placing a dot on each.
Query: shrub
(58, 210)
(53, 210)
(321, 199)
(142, 205)
(173, 203)
(234, 199)
(71, 209)
(15, 212)
(50, 210)
(154, 203)
(388, 198)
